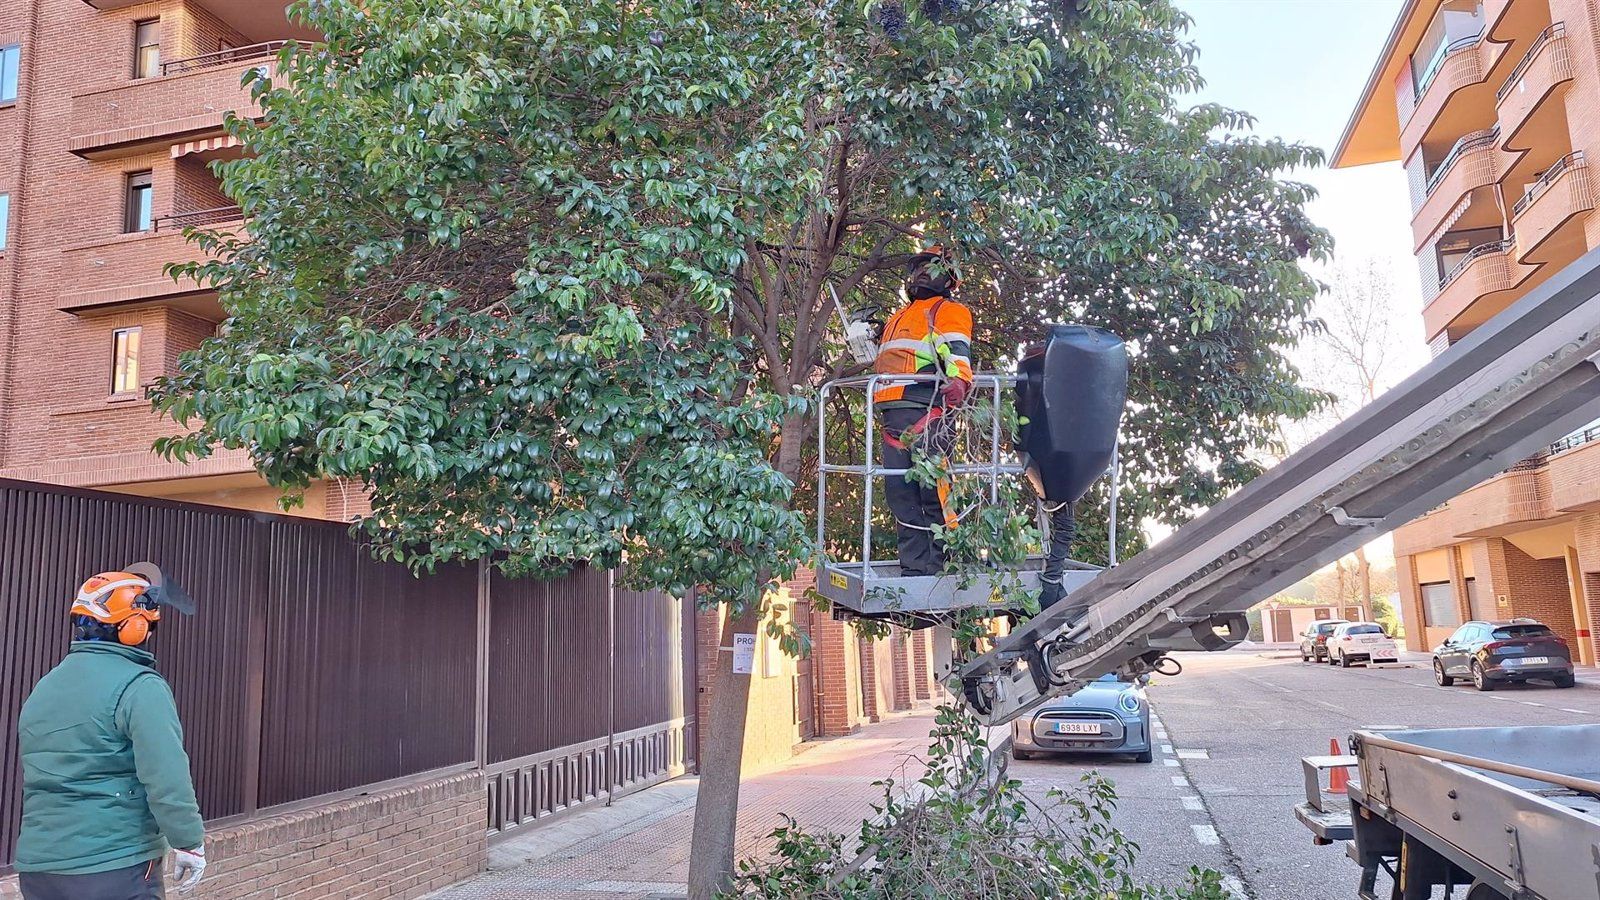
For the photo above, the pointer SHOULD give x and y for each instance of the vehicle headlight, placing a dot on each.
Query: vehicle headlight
(1129, 701)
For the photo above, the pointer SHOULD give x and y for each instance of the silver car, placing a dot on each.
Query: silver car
(1107, 716)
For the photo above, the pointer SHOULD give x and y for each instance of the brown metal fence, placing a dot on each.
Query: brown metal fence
(313, 669)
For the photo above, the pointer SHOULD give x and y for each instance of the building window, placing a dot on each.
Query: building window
(5, 218)
(10, 66)
(140, 196)
(1439, 609)
(125, 361)
(147, 48)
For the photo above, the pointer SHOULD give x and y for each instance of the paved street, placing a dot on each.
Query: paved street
(1222, 790)
(1220, 794)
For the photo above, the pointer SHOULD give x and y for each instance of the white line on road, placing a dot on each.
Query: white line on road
(1234, 887)
(1580, 711)
(1179, 781)
(1191, 803)
(1206, 834)
(1530, 703)
(1194, 754)
(1170, 762)
(1166, 748)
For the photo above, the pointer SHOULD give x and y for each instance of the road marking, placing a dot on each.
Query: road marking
(1579, 711)
(1234, 887)
(1179, 781)
(1191, 803)
(1194, 754)
(1530, 703)
(1170, 762)
(1206, 834)
(1166, 748)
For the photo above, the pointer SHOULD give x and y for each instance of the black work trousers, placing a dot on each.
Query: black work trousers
(141, 882)
(916, 507)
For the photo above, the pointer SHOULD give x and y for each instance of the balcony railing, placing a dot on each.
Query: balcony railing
(1468, 143)
(1477, 252)
(1576, 439)
(1557, 169)
(198, 218)
(1546, 36)
(1433, 71)
(228, 57)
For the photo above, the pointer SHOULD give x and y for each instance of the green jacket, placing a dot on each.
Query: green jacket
(105, 780)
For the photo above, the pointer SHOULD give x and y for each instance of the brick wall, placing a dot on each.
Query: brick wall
(399, 843)
(1538, 588)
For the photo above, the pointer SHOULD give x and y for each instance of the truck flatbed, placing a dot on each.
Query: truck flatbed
(1510, 813)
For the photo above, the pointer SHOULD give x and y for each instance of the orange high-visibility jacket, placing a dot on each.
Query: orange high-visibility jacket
(926, 336)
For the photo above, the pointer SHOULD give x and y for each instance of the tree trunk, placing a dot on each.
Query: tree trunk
(716, 805)
(1364, 578)
(716, 808)
(1339, 596)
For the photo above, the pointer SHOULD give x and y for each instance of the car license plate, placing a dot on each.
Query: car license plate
(1077, 728)
(1531, 661)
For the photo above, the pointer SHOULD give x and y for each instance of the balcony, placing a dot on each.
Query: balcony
(129, 268)
(191, 100)
(1453, 99)
(1574, 463)
(1470, 165)
(1526, 119)
(1546, 219)
(1486, 269)
(1509, 21)
(257, 20)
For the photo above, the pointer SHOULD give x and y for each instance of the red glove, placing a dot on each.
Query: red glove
(955, 392)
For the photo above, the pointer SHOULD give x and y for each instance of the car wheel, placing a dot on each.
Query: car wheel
(1344, 660)
(1566, 681)
(1145, 757)
(1480, 678)
(1439, 675)
(1303, 656)
(1020, 754)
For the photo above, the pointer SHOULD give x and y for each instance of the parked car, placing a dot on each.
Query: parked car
(1365, 642)
(1107, 716)
(1314, 640)
(1492, 653)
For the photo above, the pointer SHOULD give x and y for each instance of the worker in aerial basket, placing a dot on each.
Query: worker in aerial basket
(930, 335)
(105, 780)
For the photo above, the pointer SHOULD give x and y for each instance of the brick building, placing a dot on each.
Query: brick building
(1492, 107)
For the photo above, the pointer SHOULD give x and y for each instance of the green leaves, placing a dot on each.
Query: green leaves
(551, 279)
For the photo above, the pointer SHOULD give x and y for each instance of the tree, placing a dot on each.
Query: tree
(550, 278)
(1360, 355)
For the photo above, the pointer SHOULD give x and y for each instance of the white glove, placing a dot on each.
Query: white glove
(188, 866)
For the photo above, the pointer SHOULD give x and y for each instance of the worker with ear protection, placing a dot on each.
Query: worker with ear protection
(930, 335)
(106, 790)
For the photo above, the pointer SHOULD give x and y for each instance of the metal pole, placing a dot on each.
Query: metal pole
(480, 715)
(610, 681)
(994, 448)
(866, 490)
(1116, 479)
(822, 469)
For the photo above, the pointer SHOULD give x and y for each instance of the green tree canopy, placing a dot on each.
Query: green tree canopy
(551, 278)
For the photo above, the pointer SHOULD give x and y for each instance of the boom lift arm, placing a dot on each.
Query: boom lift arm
(1511, 387)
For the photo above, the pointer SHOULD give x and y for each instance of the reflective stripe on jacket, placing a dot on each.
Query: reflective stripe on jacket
(933, 335)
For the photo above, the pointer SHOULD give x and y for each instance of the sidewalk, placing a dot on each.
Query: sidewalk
(640, 846)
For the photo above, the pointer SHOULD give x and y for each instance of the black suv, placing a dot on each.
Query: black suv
(1493, 652)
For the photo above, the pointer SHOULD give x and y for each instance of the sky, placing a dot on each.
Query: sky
(1299, 67)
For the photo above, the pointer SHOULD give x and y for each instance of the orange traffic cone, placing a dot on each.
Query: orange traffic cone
(1338, 776)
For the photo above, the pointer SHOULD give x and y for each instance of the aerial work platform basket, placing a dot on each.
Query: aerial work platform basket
(870, 586)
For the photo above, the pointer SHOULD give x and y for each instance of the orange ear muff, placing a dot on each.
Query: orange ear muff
(134, 629)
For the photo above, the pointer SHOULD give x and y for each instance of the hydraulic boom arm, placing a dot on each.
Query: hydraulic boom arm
(1510, 388)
